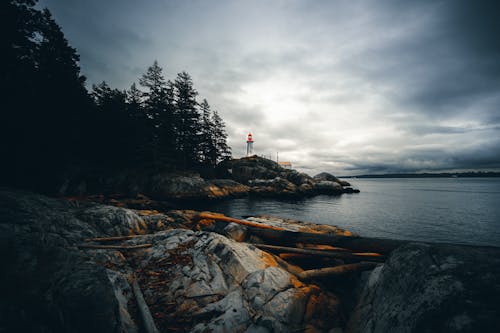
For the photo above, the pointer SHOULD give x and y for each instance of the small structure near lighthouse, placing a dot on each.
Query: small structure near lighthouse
(249, 145)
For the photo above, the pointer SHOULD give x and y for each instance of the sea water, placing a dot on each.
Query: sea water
(455, 210)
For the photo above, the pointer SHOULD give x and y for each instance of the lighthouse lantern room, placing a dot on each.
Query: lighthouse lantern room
(249, 145)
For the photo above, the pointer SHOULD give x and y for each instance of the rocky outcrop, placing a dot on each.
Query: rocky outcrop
(331, 178)
(162, 186)
(194, 187)
(266, 177)
(249, 175)
(191, 280)
(432, 288)
(226, 286)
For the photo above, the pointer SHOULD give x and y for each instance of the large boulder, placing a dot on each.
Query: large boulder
(298, 178)
(49, 285)
(325, 176)
(250, 168)
(432, 288)
(325, 186)
(178, 186)
(210, 283)
(273, 187)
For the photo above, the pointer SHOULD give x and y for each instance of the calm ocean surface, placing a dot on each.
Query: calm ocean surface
(457, 210)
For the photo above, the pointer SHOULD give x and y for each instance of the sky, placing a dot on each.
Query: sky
(347, 87)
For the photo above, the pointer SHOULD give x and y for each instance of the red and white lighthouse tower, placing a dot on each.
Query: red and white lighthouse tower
(249, 144)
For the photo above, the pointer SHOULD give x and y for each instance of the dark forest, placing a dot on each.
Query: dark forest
(51, 124)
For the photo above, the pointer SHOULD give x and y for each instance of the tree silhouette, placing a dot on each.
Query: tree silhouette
(44, 101)
(51, 125)
(208, 146)
(221, 147)
(188, 127)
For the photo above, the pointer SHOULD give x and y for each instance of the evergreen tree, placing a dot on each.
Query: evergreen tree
(158, 101)
(114, 127)
(134, 102)
(50, 123)
(208, 140)
(221, 147)
(45, 107)
(188, 127)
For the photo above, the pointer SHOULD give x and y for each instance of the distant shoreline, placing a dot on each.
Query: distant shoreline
(431, 175)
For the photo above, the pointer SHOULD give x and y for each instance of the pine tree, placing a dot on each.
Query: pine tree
(188, 127)
(134, 102)
(208, 140)
(223, 151)
(45, 107)
(159, 109)
(154, 96)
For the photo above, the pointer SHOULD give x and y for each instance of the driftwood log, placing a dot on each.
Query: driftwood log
(114, 247)
(111, 239)
(147, 319)
(223, 218)
(335, 271)
(324, 253)
(354, 243)
(281, 236)
(293, 269)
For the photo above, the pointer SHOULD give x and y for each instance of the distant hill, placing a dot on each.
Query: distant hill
(431, 175)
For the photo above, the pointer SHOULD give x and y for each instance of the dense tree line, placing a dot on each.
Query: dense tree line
(161, 124)
(49, 122)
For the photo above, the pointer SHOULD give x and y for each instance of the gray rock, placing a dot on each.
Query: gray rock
(329, 177)
(438, 288)
(236, 232)
(325, 186)
(199, 281)
(47, 284)
(226, 286)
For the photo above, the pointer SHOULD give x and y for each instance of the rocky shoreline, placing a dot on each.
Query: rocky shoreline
(81, 266)
(253, 175)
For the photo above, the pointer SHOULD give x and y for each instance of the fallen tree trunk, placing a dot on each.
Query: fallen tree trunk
(324, 253)
(114, 247)
(147, 319)
(307, 262)
(336, 271)
(293, 269)
(223, 218)
(111, 239)
(354, 243)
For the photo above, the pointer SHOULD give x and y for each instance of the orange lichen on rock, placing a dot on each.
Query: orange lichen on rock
(311, 230)
(325, 229)
(205, 223)
(140, 228)
(295, 282)
(268, 260)
(147, 212)
(216, 192)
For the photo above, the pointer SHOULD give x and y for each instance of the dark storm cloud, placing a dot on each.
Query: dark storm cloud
(343, 86)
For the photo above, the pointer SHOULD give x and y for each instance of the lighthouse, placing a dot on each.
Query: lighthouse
(249, 145)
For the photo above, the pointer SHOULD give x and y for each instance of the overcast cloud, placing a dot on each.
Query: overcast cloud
(348, 87)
